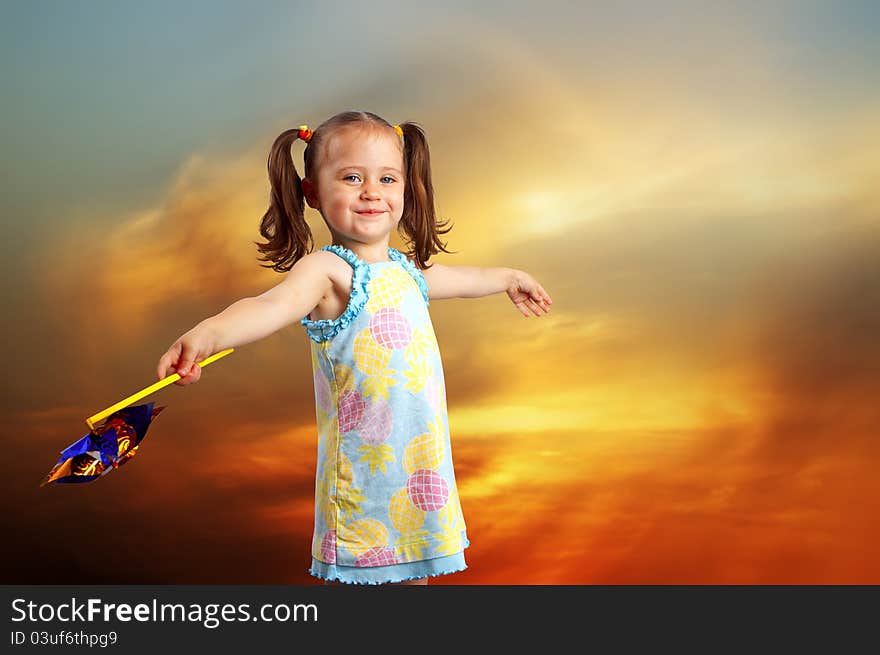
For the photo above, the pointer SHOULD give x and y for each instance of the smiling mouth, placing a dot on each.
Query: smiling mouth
(370, 213)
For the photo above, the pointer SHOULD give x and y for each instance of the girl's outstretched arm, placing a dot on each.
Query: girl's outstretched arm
(250, 319)
(476, 282)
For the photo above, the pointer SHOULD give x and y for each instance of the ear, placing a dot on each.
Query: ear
(309, 193)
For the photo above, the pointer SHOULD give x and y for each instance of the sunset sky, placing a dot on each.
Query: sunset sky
(697, 187)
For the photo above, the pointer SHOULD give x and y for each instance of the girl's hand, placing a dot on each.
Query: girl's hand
(183, 355)
(525, 292)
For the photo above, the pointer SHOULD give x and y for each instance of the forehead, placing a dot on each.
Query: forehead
(363, 146)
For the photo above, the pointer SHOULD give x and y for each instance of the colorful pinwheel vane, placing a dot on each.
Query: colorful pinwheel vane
(115, 440)
(107, 447)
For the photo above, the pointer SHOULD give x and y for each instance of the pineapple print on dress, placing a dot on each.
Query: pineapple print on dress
(367, 540)
(390, 328)
(387, 495)
(323, 395)
(325, 402)
(325, 515)
(374, 428)
(425, 491)
(351, 407)
(435, 394)
(449, 539)
(419, 362)
(348, 497)
(373, 360)
(408, 519)
(328, 547)
(387, 289)
(429, 491)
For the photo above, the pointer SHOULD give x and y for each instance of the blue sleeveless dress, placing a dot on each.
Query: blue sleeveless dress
(386, 503)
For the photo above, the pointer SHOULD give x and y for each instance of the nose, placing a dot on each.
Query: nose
(369, 191)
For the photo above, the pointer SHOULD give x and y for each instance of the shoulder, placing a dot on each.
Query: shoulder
(317, 270)
(332, 270)
(324, 261)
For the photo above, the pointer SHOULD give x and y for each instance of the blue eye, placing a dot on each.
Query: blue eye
(386, 177)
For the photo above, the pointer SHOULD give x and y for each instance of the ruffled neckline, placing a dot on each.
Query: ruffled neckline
(350, 255)
(325, 329)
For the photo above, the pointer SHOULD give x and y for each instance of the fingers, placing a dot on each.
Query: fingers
(543, 304)
(165, 366)
(544, 295)
(531, 304)
(187, 368)
(538, 301)
(180, 359)
(188, 357)
(193, 376)
(537, 306)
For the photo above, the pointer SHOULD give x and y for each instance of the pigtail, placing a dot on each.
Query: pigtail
(284, 225)
(419, 220)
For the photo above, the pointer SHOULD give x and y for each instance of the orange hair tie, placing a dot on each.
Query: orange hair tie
(306, 134)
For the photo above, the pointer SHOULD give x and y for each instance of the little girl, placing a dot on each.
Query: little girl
(386, 504)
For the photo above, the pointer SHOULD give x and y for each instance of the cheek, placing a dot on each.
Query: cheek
(340, 201)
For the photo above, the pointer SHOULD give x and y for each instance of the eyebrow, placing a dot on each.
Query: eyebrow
(384, 168)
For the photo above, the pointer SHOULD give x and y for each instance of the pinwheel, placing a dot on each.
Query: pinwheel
(115, 440)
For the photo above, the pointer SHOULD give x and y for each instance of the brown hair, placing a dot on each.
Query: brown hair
(284, 226)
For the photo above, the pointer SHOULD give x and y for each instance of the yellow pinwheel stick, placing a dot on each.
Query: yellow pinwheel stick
(146, 392)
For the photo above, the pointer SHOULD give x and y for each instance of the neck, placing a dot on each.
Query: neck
(371, 253)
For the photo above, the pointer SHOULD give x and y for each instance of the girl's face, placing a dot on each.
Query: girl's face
(360, 184)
